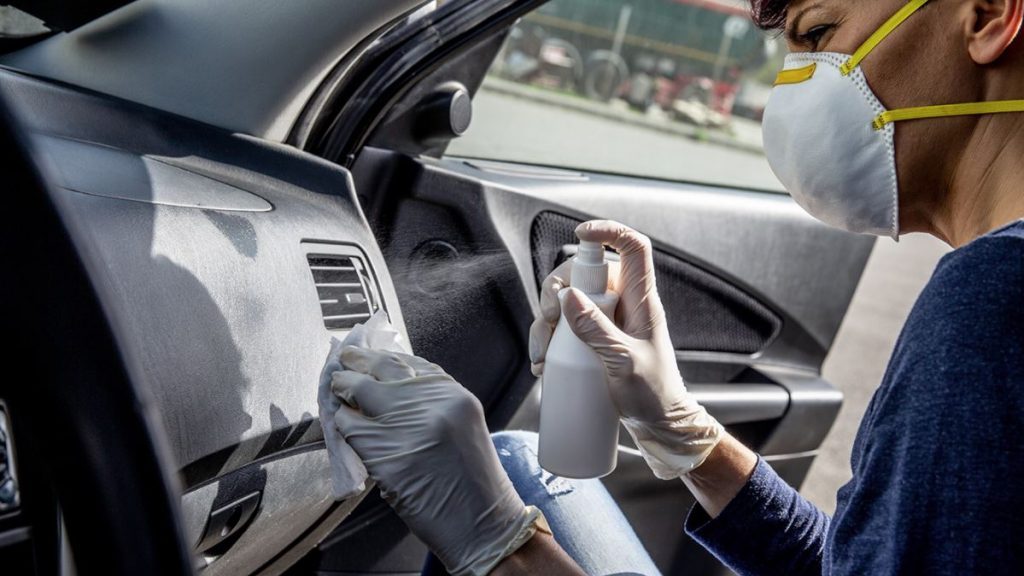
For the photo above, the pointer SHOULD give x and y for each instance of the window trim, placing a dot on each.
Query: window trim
(358, 94)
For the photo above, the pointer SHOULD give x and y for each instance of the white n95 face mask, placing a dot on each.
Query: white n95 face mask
(821, 145)
(830, 141)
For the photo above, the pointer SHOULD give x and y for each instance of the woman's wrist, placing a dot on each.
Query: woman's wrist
(540, 555)
(722, 475)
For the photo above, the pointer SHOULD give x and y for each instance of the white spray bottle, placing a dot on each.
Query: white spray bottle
(579, 424)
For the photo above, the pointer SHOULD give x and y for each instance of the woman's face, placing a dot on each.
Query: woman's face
(923, 62)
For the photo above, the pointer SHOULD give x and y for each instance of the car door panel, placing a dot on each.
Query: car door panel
(781, 284)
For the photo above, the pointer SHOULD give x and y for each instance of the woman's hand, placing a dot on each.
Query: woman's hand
(675, 434)
(424, 441)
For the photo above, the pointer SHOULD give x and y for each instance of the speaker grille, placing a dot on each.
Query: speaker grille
(705, 312)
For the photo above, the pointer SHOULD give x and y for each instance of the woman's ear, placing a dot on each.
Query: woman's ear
(992, 27)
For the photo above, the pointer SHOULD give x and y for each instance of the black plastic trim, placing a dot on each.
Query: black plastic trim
(67, 15)
(366, 92)
(311, 124)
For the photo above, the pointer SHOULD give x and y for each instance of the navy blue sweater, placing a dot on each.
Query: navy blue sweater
(938, 463)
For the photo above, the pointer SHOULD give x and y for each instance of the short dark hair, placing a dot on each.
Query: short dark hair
(769, 14)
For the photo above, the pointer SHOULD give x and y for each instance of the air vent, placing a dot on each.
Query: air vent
(345, 286)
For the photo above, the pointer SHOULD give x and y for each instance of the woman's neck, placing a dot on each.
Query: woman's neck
(986, 190)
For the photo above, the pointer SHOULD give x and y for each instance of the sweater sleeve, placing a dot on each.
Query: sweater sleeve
(768, 528)
(936, 468)
(936, 457)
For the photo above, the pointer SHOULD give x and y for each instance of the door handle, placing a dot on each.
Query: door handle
(228, 520)
(739, 403)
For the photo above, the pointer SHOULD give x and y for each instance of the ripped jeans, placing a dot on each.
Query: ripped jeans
(584, 518)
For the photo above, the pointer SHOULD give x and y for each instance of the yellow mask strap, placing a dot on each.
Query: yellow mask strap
(880, 34)
(943, 110)
(796, 75)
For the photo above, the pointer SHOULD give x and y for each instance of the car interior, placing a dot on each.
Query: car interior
(204, 193)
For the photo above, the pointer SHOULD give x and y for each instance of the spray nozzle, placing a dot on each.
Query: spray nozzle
(590, 253)
(589, 269)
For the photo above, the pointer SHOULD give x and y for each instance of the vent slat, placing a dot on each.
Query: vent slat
(343, 308)
(347, 316)
(339, 285)
(336, 276)
(342, 284)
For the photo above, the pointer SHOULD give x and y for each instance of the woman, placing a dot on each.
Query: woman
(855, 131)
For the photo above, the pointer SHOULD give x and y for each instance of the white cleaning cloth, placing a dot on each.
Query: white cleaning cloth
(348, 475)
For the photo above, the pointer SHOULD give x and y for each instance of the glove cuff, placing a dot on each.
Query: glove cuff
(675, 449)
(531, 522)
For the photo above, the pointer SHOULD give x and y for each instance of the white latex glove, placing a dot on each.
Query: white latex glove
(423, 438)
(675, 434)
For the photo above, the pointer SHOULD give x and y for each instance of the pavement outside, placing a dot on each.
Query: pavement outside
(742, 134)
(893, 279)
(528, 124)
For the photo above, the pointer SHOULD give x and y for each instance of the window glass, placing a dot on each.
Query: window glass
(670, 89)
